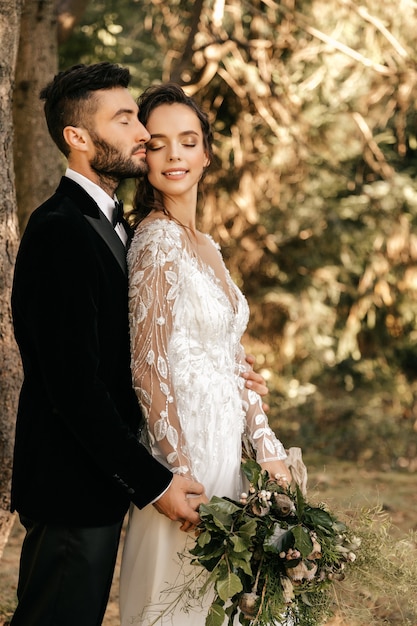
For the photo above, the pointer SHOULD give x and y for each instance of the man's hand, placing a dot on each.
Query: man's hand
(181, 502)
(255, 381)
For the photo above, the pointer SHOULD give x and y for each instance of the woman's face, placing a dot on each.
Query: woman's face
(175, 153)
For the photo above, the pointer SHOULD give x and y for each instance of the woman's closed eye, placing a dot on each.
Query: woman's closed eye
(154, 146)
(158, 146)
(189, 141)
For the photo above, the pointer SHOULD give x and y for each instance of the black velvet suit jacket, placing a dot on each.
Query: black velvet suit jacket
(77, 457)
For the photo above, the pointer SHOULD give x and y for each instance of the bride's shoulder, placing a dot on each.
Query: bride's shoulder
(157, 238)
(156, 229)
(210, 239)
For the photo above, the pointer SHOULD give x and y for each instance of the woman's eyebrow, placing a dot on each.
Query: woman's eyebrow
(183, 133)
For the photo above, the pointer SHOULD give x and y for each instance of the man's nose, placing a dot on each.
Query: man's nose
(142, 134)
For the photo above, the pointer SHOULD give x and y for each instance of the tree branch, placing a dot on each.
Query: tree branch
(69, 13)
(186, 59)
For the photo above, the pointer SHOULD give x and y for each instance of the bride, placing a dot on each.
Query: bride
(187, 318)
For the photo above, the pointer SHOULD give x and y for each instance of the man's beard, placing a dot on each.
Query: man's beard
(109, 162)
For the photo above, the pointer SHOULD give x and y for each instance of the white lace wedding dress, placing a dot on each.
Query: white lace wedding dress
(187, 318)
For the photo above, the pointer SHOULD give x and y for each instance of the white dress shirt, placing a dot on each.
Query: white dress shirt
(104, 201)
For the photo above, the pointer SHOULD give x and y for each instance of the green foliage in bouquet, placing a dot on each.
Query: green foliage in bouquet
(272, 556)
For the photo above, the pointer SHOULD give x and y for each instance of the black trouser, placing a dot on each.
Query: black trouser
(65, 574)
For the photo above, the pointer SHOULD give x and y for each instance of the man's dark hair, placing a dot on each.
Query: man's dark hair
(69, 97)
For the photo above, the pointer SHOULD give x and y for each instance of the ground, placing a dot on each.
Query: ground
(341, 485)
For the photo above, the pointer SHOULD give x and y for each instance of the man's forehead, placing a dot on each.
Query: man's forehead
(115, 101)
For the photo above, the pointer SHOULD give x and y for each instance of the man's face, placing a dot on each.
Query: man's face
(118, 138)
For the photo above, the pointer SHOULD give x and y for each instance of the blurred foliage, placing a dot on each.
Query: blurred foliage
(313, 196)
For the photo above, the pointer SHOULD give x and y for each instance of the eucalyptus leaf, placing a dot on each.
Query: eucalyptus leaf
(248, 530)
(303, 541)
(209, 583)
(339, 527)
(236, 557)
(220, 504)
(212, 554)
(228, 586)
(242, 564)
(318, 517)
(216, 615)
(280, 540)
(210, 549)
(300, 503)
(252, 471)
(204, 538)
(239, 543)
(220, 512)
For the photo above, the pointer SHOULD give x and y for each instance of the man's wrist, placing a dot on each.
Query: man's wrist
(161, 494)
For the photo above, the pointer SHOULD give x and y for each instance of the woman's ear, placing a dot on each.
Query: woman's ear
(76, 138)
(206, 161)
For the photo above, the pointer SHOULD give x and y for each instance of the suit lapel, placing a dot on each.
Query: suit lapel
(106, 231)
(89, 208)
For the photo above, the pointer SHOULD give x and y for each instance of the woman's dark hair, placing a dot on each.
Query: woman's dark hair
(146, 199)
(69, 97)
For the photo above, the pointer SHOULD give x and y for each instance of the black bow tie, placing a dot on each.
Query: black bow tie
(117, 213)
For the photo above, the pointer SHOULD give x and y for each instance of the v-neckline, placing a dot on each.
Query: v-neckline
(225, 285)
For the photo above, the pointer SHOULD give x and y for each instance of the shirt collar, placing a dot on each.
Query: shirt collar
(103, 200)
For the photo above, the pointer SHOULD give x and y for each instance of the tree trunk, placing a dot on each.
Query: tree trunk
(38, 164)
(10, 370)
(185, 64)
(28, 61)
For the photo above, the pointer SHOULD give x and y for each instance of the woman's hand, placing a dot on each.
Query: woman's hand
(278, 471)
(255, 381)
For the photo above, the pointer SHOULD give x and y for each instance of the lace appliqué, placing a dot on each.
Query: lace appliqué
(186, 354)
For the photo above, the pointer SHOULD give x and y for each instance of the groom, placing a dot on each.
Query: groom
(78, 463)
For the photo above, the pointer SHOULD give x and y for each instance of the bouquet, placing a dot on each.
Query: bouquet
(272, 556)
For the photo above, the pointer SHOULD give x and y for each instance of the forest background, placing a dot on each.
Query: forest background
(312, 195)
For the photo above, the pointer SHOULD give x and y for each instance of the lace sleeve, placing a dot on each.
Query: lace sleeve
(153, 275)
(257, 429)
